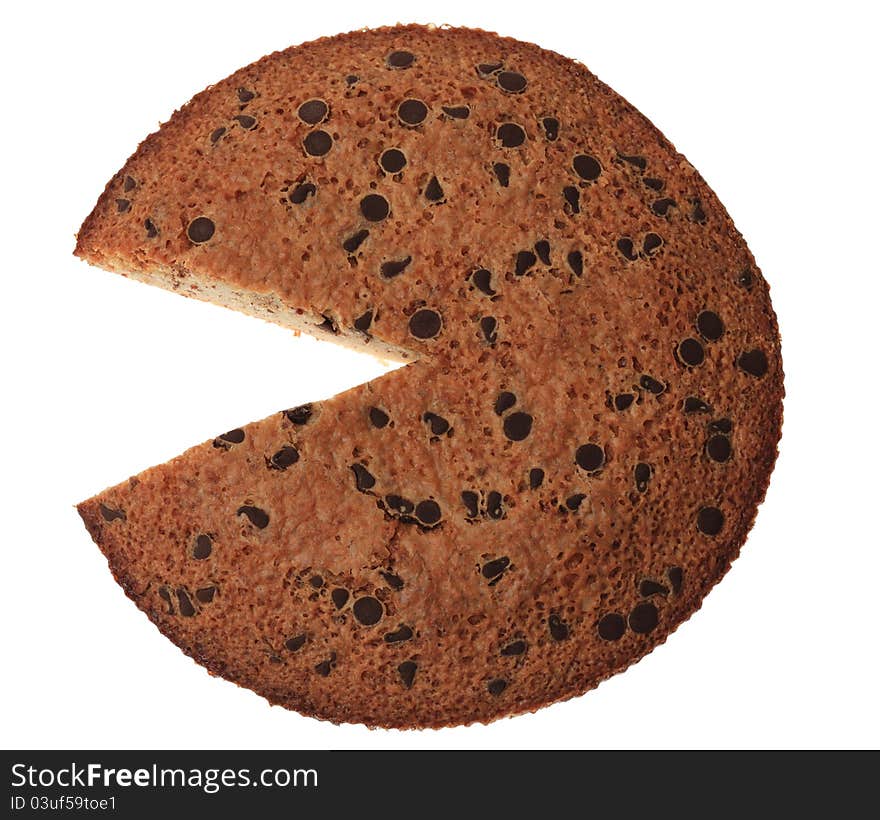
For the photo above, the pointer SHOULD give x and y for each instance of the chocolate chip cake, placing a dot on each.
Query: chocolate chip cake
(574, 453)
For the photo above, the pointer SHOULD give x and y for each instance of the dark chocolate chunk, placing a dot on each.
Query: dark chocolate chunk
(340, 597)
(471, 502)
(504, 402)
(510, 135)
(457, 112)
(363, 478)
(489, 329)
(394, 581)
(573, 502)
(299, 415)
(368, 610)
(647, 588)
(438, 424)
(482, 280)
(412, 112)
(698, 215)
(318, 143)
(494, 568)
(611, 627)
(244, 95)
(295, 643)
(329, 325)
(428, 512)
(400, 59)
(311, 112)
(511, 82)
(122, 205)
(572, 198)
(351, 79)
(494, 506)
(203, 546)
(643, 618)
(652, 385)
(205, 595)
(166, 596)
(245, 121)
(407, 672)
(710, 326)
(626, 247)
(652, 243)
(575, 261)
(302, 192)
(379, 418)
(675, 576)
(710, 520)
(425, 324)
(217, 133)
(375, 207)
(690, 353)
(355, 241)
(661, 206)
(184, 604)
(536, 478)
(392, 161)
(324, 668)
(559, 630)
(590, 457)
(496, 686)
(400, 505)
(623, 400)
(517, 426)
(542, 248)
(433, 190)
(721, 426)
(502, 173)
(639, 162)
(109, 514)
(259, 518)
(745, 278)
(642, 475)
(286, 457)
(401, 634)
(587, 167)
(718, 448)
(364, 321)
(394, 267)
(692, 404)
(488, 69)
(753, 362)
(525, 260)
(316, 581)
(130, 184)
(233, 436)
(152, 230)
(513, 649)
(653, 183)
(551, 128)
(200, 230)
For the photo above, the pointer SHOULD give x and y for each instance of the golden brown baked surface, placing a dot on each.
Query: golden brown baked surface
(575, 457)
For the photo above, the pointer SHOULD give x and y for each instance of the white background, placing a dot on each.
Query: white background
(774, 103)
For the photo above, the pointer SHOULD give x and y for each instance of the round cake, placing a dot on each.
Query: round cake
(577, 447)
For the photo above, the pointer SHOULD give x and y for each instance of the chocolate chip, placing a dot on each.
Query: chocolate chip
(623, 400)
(205, 595)
(611, 627)
(363, 478)
(721, 426)
(494, 507)
(675, 576)
(392, 161)
(394, 581)
(512, 82)
(542, 248)
(745, 278)
(517, 426)
(642, 475)
(403, 633)
(494, 568)
(245, 121)
(661, 206)
(626, 247)
(438, 424)
(647, 588)
(510, 135)
(184, 604)
(379, 418)
(425, 324)
(364, 321)
(698, 215)
(652, 243)
(590, 457)
(457, 112)
(513, 649)
(504, 402)
(651, 384)
(400, 59)
(129, 185)
(753, 362)
(536, 478)
(318, 143)
(202, 548)
(412, 112)
(471, 502)
(718, 448)
(375, 208)
(489, 329)
(496, 686)
(316, 581)
(694, 405)
(639, 162)
(524, 261)
(166, 596)
(368, 610)
(407, 672)
(433, 190)
(428, 512)
(302, 192)
(575, 261)
(299, 415)
(109, 514)
(653, 183)
(587, 167)
(329, 325)
(233, 436)
(353, 242)
(394, 268)
(573, 502)
(152, 230)
(690, 353)
(559, 630)
(311, 112)
(502, 173)
(217, 133)
(643, 618)
(324, 668)
(284, 458)
(296, 643)
(244, 95)
(400, 505)
(482, 280)
(710, 326)
(200, 230)
(710, 520)
(351, 79)
(339, 596)
(572, 198)
(488, 69)
(551, 128)
(255, 515)
(122, 205)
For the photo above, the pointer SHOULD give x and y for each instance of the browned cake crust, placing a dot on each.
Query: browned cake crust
(575, 457)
